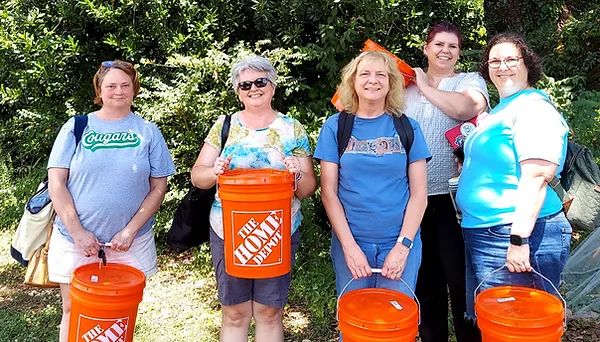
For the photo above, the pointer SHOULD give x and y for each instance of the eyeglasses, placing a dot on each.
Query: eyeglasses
(107, 64)
(260, 82)
(510, 62)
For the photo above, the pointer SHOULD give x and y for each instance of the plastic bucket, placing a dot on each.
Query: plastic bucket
(104, 302)
(515, 314)
(257, 209)
(377, 315)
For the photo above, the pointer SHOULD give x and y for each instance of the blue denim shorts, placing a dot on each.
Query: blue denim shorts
(485, 251)
(233, 290)
(376, 253)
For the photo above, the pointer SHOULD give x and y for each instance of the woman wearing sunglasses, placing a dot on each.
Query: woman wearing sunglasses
(107, 188)
(259, 137)
(511, 216)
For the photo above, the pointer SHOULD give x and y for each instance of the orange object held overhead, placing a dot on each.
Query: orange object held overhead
(104, 302)
(519, 314)
(406, 70)
(257, 220)
(378, 315)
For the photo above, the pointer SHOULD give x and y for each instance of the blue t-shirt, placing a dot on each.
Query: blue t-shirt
(373, 187)
(522, 126)
(109, 171)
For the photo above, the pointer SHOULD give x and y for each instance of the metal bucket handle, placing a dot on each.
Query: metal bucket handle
(373, 271)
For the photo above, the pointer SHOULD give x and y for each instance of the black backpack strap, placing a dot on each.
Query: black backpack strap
(225, 131)
(406, 134)
(80, 124)
(345, 123)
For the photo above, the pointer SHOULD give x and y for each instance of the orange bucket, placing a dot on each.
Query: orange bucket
(257, 209)
(377, 315)
(104, 302)
(519, 314)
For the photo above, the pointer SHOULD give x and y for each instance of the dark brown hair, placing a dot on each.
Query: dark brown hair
(531, 59)
(444, 26)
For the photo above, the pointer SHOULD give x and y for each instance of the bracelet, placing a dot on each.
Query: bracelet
(298, 176)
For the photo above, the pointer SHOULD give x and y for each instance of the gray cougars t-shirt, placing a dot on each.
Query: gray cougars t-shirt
(109, 171)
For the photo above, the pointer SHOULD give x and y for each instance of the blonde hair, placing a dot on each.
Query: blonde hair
(394, 100)
(105, 67)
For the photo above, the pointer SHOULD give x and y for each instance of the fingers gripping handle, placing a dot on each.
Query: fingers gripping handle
(375, 270)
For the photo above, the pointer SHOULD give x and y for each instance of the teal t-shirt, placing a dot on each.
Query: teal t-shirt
(109, 171)
(522, 126)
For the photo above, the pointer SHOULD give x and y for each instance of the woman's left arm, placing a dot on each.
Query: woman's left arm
(395, 261)
(150, 205)
(305, 175)
(531, 193)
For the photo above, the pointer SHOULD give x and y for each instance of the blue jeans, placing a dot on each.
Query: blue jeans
(485, 251)
(376, 253)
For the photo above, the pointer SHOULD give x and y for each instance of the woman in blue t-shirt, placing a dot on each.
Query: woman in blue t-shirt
(510, 215)
(374, 210)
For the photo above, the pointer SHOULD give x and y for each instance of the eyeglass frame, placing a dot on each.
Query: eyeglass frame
(247, 85)
(512, 59)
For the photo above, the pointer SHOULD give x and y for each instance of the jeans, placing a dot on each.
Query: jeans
(485, 251)
(375, 253)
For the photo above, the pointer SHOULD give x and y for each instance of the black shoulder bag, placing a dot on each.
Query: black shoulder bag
(191, 226)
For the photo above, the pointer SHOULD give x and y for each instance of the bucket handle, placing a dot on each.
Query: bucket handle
(375, 270)
(533, 271)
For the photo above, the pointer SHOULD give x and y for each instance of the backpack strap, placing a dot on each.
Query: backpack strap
(81, 122)
(406, 134)
(225, 130)
(345, 124)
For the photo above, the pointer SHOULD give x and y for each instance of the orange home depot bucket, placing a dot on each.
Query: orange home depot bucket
(257, 209)
(377, 315)
(104, 302)
(519, 314)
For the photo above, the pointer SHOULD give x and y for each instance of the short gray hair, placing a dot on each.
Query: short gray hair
(256, 63)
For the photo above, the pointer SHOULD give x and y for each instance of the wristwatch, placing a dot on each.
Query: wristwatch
(405, 241)
(518, 240)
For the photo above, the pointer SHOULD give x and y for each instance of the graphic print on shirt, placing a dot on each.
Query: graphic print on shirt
(378, 146)
(93, 140)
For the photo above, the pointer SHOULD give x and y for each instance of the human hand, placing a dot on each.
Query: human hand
(221, 165)
(86, 242)
(122, 241)
(357, 262)
(517, 258)
(420, 78)
(395, 262)
(292, 164)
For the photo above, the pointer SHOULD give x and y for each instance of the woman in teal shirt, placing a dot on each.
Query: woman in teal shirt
(510, 214)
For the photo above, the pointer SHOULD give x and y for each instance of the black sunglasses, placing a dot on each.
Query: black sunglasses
(260, 82)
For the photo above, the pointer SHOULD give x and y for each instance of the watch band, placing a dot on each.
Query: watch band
(408, 243)
(518, 240)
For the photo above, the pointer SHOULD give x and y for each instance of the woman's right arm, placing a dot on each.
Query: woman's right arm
(64, 206)
(207, 166)
(355, 258)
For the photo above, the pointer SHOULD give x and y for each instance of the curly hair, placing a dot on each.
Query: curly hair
(394, 100)
(105, 67)
(530, 58)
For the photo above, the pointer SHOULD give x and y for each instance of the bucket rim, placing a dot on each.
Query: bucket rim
(408, 318)
(258, 176)
(137, 278)
(553, 316)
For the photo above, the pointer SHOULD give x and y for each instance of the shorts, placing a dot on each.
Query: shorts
(64, 257)
(272, 292)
